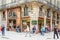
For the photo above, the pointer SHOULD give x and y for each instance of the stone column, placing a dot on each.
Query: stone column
(6, 15)
(0, 18)
(59, 19)
(44, 11)
(55, 18)
(18, 20)
(51, 20)
(22, 13)
(34, 16)
(18, 16)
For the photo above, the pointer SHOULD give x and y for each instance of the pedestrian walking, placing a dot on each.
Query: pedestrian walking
(56, 32)
(27, 31)
(34, 29)
(18, 28)
(42, 30)
(46, 29)
(3, 30)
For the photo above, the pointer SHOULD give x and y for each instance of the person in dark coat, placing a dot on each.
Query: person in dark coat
(18, 29)
(55, 32)
(34, 29)
(3, 30)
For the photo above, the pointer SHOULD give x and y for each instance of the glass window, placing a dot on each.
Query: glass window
(3, 14)
(40, 11)
(26, 11)
(54, 15)
(57, 16)
(12, 14)
(48, 13)
(40, 8)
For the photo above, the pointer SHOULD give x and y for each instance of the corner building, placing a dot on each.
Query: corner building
(29, 12)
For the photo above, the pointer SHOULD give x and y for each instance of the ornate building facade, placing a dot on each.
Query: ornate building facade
(30, 12)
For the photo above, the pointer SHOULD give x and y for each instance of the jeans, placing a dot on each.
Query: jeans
(3, 33)
(56, 35)
(18, 30)
(33, 31)
(42, 33)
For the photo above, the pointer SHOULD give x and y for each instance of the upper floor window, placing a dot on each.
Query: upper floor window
(3, 14)
(54, 15)
(48, 13)
(57, 16)
(25, 11)
(40, 8)
(41, 12)
(12, 14)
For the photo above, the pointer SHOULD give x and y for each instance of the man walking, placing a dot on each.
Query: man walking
(18, 28)
(34, 29)
(56, 32)
(3, 30)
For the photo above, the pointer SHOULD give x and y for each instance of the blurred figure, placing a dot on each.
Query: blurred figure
(3, 30)
(18, 28)
(42, 30)
(34, 29)
(27, 31)
(46, 29)
(56, 32)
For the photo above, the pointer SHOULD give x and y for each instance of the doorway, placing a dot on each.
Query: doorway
(24, 24)
(40, 23)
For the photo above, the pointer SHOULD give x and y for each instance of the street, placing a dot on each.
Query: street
(10, 35)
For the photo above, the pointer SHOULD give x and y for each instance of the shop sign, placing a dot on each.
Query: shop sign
(34, 22)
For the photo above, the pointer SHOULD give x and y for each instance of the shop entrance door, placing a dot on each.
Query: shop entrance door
(39, 26)
(24, 24)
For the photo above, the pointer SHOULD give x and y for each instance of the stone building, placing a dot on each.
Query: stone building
(30, 12)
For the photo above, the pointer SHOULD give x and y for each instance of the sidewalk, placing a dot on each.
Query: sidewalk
(21, 36)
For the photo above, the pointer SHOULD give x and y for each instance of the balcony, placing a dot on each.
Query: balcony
(18, 2)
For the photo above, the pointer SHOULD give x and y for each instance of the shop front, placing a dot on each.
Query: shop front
(24, 24)
(40, 24)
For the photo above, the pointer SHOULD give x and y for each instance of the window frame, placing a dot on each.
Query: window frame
(26, 11)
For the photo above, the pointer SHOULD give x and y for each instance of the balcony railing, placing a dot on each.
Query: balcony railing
(18, 2)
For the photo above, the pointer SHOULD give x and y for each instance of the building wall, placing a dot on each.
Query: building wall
(0, 18)
(33, 13)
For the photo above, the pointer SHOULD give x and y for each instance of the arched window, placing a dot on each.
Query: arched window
(12, 14)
